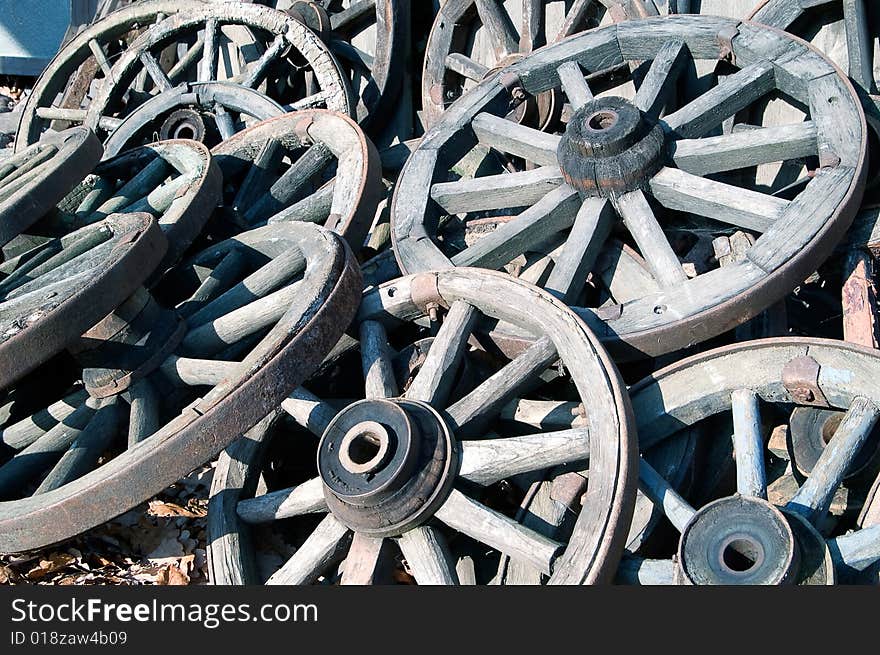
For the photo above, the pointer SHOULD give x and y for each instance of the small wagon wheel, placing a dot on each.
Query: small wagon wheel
(63, 91)
(416, 458)
(315, 166)
(626, 158)
(368, 38)
(33, 181)
(158, 388)
(764, 533)
(281, 64)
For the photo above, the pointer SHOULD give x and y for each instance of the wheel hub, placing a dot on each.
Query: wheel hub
(183, 124)
(811, 430)
(387, 465)
(610, 147)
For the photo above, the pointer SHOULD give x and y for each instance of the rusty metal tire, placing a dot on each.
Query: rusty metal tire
(444, 491)
(768, 378)
(164, 90)
(34, 180)
(73, 70)
(260, 196)
(205, 403)
(683, 310)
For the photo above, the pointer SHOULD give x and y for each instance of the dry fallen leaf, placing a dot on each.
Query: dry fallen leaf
(55, 562)
(171, 575)
(160, 508)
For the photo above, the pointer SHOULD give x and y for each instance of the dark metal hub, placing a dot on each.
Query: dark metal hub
(610, 147)
(738, 541)
(387, 465)
(810, 431)
(183, 124)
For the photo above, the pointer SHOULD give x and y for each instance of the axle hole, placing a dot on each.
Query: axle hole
(602, 120)
(185, 131)
(742, 555)
(364, 448)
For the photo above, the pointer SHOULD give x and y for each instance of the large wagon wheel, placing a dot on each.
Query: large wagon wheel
(63, 91)
(213, 84)
(615, 154)
(765, 533)
(368, 39)
(33, 181)
(416, 458)
(315, 166)
(158, 388)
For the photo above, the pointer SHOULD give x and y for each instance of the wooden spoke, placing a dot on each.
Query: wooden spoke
(225, 122)
(138, 187)
(638, 571)
(189, 58)
(859, 44)
(639, 219)
(260, 176)
(496, 530)
(515, 139)
(659, 83)
(379, 379)
(532, 20)
(748, 444)
(427, 556)
(732, 94)
(591, 228)
(101, 58)
(323, 547)
(544, 414)
(466, 67)
(87, 448)
(681, 191)
(814, 497)
(144, 413)
(309, 411)
(434, 380)
(210, 52)
(573, 83)
(355, 12)
(306, 498)
(219, 281)
(363, 561)
(496, 191)
(62, 114)
(186, 371)
(23, 433)
(256, 72)
(746, 148)
(575, 17)
(497, 23)
(154, 70)
(492, 460)
(661, 493)
(469, 413)
(549, 216)
(857, 550)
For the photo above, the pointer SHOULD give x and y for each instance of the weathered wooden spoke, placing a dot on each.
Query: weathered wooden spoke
(773, 528)
(708, 154)
(455, 387)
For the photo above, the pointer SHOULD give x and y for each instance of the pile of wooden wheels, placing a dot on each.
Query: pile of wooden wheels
(490, 292)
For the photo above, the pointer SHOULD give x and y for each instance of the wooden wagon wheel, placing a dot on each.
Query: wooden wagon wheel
(368, 39)
(63, 91)
(315, 166)
(214, 84)
(415, 459)
(33, 181)
(158, 388)
(615, 154)
(765, 533)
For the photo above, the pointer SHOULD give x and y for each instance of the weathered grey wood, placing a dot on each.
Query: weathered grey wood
(256, 72)
(260, 175)
(143, 419)
(748, 444)
(185, 371)
(86, 449)
(859, 299)
(515, 139)
(291, 186)
(379, 379)
(859, 44)
(314, 208)
(489, 461)
(325, 545)
(497, 23)
(544, 414)
(469, 414)
(305, 498)
(434, 380)
(814, 497)
(746, 148)
(661, 493)
(638, 571)
(466, 67)
(208, 68)
(779, 13)
(552, 214)
(154, 70)
(219, 281)
(839, 131)
(150, 177)
(574, 84)
(427, 556)
(466, 571)
(639, 219)
(496, 191)
(23, 433)
(363, 561)
(592, 225)
(496, 530)
(625, 273)
(659, 84)
(682, 191)
(731, 95)
(309, 411)
(857, 550)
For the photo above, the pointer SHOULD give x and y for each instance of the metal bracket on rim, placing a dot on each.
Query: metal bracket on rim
(800, 377)
(426, 295)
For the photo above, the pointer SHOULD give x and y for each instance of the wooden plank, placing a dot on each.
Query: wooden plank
(746, 148)
(519, 189)
(748, 444)
(515, 139)
(682, 191)
(639, 219)
(660, 82)
(859, 299)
